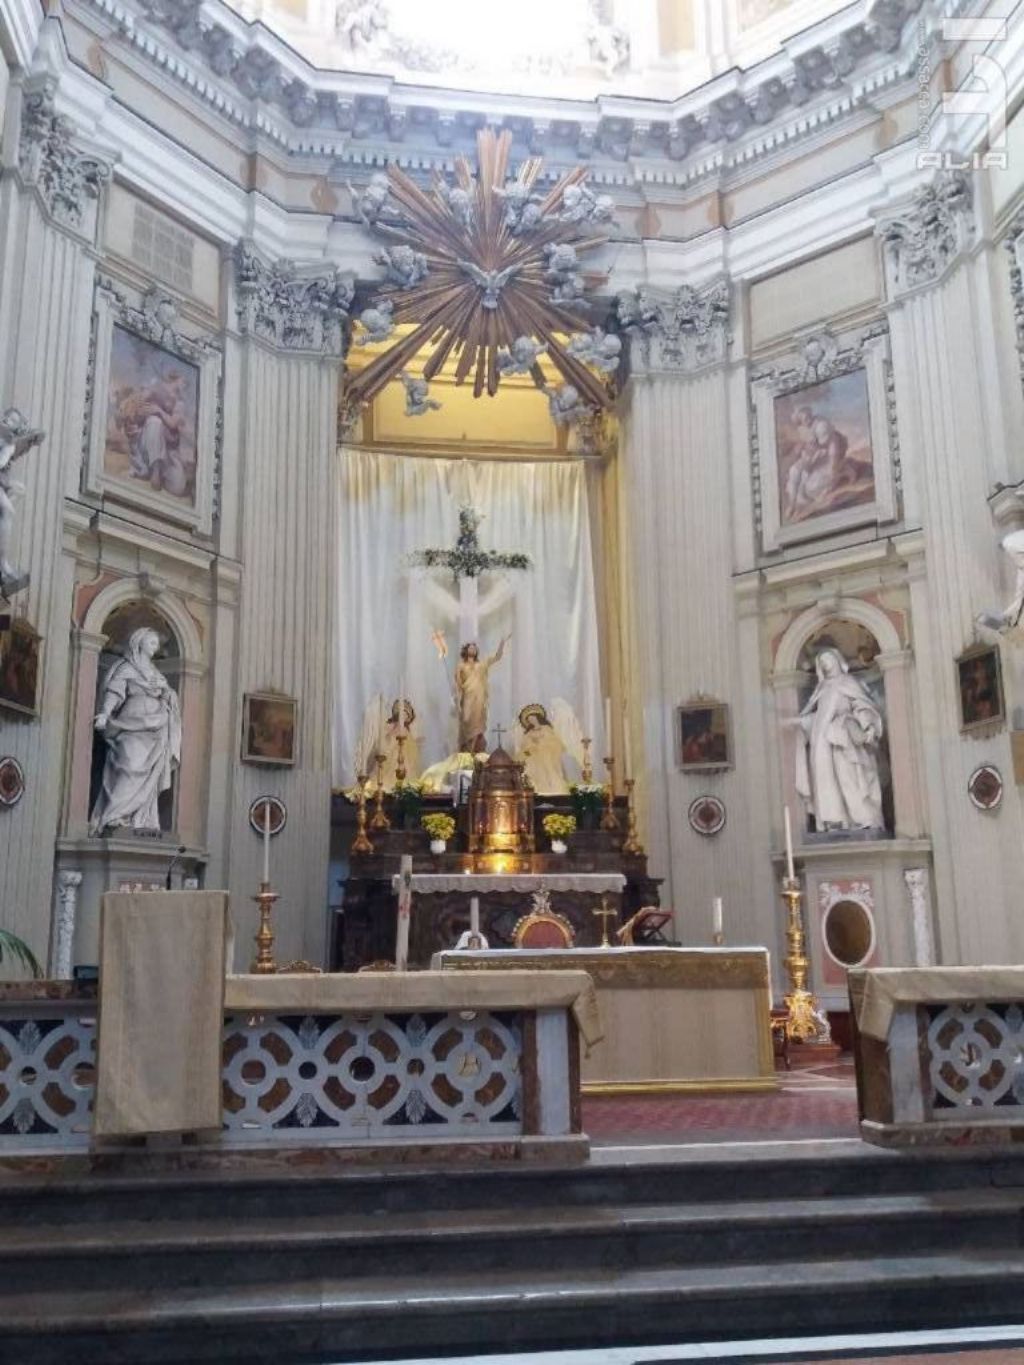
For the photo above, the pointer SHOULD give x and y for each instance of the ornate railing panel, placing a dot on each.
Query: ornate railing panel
(47, 1077)
(315, 1077)
(975, 1058)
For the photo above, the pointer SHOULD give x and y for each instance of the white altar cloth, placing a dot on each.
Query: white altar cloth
(476, 883)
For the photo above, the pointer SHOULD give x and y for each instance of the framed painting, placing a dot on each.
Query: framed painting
(824, 442)
(705, 743)
(153, 424)
(980, 689)
(20, 650)
(269, 721)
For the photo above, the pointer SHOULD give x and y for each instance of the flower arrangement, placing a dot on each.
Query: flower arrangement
(440, 827)
(588, 796)
(467, 560)
(559, 826)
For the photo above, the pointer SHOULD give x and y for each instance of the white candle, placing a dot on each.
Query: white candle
(790, 873)
(627, 757)
(266, 842)
(474, 915)
(382, 726)
(607, 727)
(716, 916)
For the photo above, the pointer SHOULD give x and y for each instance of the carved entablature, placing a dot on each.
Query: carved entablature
(51, 159)
(684, 333)
(919, 243)
(1014, 243)
(290, 307)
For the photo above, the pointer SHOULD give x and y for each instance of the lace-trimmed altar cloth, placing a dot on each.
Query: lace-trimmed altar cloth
(876, 991)
(476, 883)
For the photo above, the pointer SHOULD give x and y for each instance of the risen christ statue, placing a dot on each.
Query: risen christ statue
(472, 689)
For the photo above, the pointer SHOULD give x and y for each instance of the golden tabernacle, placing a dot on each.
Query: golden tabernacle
(500, 813)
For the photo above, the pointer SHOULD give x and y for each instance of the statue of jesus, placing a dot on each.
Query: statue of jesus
(472, 690)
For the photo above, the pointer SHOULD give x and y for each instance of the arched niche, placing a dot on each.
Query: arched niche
(869, 640)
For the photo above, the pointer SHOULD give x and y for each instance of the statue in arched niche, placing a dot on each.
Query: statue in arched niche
(837, 753)
(140, 720)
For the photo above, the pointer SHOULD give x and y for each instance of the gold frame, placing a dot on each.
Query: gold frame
(21, 625)
(278, 697)
(989, 724)
(704, 704)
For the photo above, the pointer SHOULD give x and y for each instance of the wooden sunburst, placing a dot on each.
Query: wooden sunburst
(447, 308)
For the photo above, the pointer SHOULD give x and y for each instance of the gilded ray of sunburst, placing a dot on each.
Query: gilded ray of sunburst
(486, 285)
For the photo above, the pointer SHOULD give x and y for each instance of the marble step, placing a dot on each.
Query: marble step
(310, 1190)
(284, 1248)
(335, 1318)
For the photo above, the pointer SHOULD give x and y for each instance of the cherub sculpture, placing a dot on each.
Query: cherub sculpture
(564, 272)
(1010, 617)
(379, 321)
(522, 207)
(581, 205)
(369, 203)
(402, 265)
(416, 401)
(490, 281)
(521, 357)
(362, 26)
(636, 311)
(460, 202)
(603, 350)
(565, 405)
(609, 46)
(16, 437)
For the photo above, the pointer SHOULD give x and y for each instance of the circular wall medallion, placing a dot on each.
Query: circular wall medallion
(985, 787)
(278, 814)
(848, 931)
(706, 815)
(12, 782)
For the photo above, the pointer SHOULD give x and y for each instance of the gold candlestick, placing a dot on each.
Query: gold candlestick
(604, 915)
(264, 963)
(361, 843)
(609, 820)
(586, 771)
(631, 843)
(400, 761)
(380, 819)
(805, 1017)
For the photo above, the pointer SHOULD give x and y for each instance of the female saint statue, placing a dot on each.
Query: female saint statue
(541, 752)
(837, 760)
(140, 719)
(472, 690)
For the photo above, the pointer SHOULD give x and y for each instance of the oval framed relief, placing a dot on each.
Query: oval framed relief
(12, 782)
(985, 787)
(848, 933)
(706, 815)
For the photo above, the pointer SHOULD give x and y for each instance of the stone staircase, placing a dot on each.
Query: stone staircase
(721, 1243)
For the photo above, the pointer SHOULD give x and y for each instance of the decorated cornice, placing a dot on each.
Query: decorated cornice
(684, 333)
(292, 307)
(252, 77)
(919, 243)
(1014, 243)
(53, 160)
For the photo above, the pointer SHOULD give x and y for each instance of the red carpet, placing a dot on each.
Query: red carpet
(815, 1102)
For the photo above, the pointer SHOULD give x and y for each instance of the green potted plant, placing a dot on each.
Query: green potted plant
(14, 949)
(558, 828)
(440, 828)
(408, 798)
(587, 799)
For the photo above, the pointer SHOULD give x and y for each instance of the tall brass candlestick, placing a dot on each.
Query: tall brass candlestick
(586, 770)
(400, 761)
(631, 843)
(609, 820)
(805, 1017)
(380, 819)
(361, 843)
(264, 963)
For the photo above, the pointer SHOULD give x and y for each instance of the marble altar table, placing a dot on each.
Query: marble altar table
(674, 1019)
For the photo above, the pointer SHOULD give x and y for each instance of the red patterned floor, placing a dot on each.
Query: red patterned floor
(813, 1102)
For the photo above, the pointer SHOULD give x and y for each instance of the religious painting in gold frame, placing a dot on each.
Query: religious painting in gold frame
(704, 735)
(20, 650)
(980, 690)
(269, 728)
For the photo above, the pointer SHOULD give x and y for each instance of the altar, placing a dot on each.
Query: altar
(674, 1019)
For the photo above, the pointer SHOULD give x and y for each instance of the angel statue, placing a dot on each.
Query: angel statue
(565, 405)
(603, 350)
(581, 205)
(1007, 619)
(564, 272)
(369, 203)
(522, 207)
(379, 321)
(521, 357)
(402, 265)
(460, 203)
(416, 401)
(362, 25)
(379, 735)
(492, 282)
(543, 746)
(16, 437)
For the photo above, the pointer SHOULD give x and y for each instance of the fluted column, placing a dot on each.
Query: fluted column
(677, 489)
(286, 352)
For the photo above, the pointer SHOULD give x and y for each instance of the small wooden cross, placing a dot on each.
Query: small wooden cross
(498, 730)
(604, 915)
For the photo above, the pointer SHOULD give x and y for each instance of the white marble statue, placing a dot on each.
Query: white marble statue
(369, 203)
(379, 321)
(1010, 616)
(565, 404)
(541, 750)
(564, 272)
(581, 205)
(601, 349)
(416, 401)
(402, 265)
(16, 437)
(837, 758)
(462, 203)
(521, 357)
(522, 207)
(140, 719)
(362, 25)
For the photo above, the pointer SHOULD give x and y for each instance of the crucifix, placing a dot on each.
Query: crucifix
(467, 561)
(498, 731)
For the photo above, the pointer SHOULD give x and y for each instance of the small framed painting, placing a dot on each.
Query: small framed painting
(20, 649)
(269, 722)
(705, 743)
(980, 689)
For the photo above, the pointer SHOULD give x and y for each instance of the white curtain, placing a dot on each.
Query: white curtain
(388, 507)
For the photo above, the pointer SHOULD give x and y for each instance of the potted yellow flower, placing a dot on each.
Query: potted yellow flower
(440, 828)
(558, 828)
